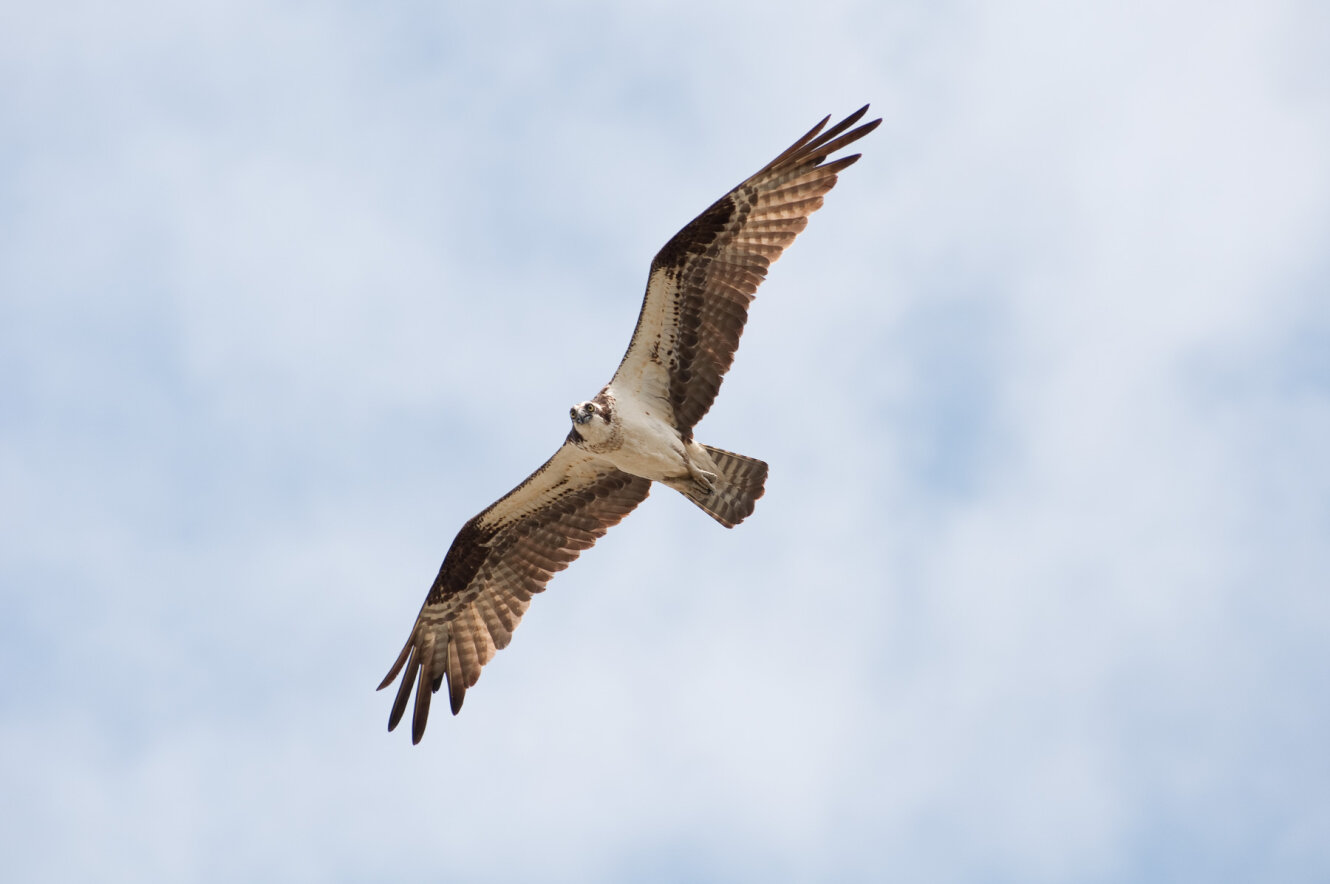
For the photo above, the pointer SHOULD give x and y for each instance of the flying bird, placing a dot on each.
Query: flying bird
(637, 430)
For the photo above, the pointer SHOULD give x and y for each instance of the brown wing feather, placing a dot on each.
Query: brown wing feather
(703, 280)
(496, 563)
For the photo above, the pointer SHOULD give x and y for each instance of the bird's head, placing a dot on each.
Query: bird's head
(585, 412)
(594, 421)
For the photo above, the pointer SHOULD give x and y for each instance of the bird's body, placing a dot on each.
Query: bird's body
(637, 430)
(634, 435)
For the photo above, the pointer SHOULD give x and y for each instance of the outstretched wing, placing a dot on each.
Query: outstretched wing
(703, 280)
(496, 563)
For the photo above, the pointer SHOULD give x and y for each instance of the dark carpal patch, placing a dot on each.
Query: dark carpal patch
(463, 560)
(694, 239)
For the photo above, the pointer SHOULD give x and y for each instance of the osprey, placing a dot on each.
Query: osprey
(637, 430)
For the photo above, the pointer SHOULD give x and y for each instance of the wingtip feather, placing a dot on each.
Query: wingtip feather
(420, 717)
(456, 680)
(403, 692)
(397, 664)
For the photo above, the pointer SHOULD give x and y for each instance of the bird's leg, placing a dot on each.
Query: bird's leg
(705, 481)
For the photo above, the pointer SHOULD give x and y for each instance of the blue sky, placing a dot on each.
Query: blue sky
(1037, 591)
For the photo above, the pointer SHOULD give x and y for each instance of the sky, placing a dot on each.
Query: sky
(1038, 589)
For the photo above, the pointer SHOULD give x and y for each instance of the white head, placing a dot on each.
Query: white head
(584, 412)
(593, 420)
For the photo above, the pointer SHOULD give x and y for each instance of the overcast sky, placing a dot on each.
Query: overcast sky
(1038, 589)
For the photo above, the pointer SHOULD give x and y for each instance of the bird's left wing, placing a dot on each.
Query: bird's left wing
(496, 563)
(703, 280)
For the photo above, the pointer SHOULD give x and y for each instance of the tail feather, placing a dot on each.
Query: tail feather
(739, 482)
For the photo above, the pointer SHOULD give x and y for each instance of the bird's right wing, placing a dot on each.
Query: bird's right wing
(496, 563)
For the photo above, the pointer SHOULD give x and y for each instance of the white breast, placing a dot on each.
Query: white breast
(651, 447)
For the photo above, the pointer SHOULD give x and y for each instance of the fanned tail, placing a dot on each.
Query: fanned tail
(739, 482)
